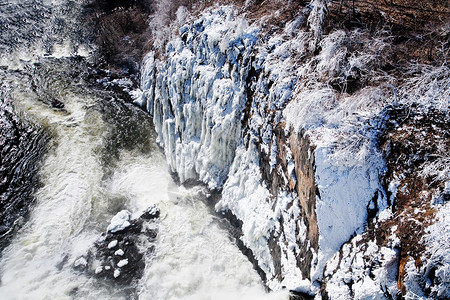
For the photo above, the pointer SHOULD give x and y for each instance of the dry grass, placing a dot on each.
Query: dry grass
(420, 29)
(399, 14)
(122, 32)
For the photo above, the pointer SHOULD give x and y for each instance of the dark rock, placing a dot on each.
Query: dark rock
(150, 213)
(57, 104)
(304, 186)
(294, 295)
(233, 225)
(116, 256)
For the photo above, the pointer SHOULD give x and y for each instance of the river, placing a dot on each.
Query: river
(97, 156)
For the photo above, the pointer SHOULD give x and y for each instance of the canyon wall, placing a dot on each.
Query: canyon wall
(306, 133)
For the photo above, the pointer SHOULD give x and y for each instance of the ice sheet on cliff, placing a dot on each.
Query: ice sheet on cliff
(199, 95)
(197, 98)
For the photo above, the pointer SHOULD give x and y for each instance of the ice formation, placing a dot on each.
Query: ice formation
(229, 106)
(196, 98)
(120, 221)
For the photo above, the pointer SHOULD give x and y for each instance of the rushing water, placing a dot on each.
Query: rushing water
(101, 158)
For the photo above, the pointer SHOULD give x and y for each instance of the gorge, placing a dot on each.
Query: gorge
(284, 149)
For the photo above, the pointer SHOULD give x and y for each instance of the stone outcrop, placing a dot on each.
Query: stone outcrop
(117, 255)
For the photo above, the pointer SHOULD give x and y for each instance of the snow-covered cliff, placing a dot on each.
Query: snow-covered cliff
(293, 129)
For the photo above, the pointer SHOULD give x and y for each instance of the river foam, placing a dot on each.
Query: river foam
(100, 162)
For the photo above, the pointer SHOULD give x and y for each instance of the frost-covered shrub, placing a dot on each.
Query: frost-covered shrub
(437, 261)
(316, 20)
(169, 14)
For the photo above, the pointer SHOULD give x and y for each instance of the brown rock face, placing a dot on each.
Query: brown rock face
(296, 147)
(306, 188)
(416, 141)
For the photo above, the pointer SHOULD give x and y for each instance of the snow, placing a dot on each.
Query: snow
(120, 221)
(112, 244)
(200, 137)
(362, 271)
(244, 185)
(80, 262)
(393, 186)
(122, 263)
(342, 205)
(385, 214)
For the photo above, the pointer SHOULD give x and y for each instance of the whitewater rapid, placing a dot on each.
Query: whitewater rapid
(101, 158)
(83, 185)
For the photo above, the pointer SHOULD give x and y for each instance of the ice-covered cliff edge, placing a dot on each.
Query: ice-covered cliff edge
(197, 96)
(287, 127)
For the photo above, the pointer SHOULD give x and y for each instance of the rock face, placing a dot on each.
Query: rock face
(393, 256)
(304, 131)
(117, 256)
(22, 145)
